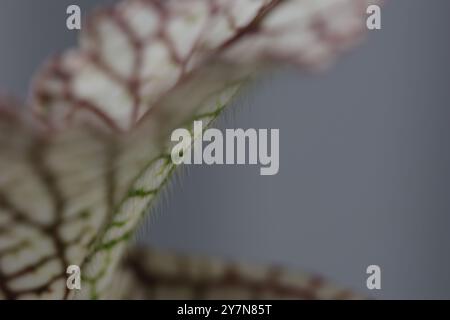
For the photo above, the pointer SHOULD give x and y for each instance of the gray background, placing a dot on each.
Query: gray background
(364, 156)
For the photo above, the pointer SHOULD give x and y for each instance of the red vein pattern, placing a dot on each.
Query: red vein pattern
(149, 274)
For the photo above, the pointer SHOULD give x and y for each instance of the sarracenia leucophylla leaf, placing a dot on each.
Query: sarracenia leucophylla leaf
(82, 164)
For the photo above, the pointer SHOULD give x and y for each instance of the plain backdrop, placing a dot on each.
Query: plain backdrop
(364, 156)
